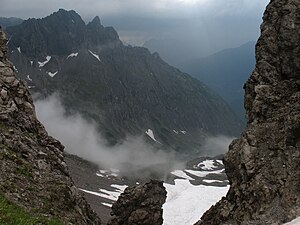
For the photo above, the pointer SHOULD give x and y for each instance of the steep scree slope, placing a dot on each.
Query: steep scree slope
(33, 173)
(263, 165)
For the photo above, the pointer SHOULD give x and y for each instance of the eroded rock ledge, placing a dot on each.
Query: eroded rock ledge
(263, 165)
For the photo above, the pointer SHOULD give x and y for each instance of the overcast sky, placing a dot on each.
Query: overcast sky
(215, 24)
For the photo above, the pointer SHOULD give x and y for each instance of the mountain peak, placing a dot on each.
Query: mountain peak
(66, 16)
(69, 23)
(96, 21)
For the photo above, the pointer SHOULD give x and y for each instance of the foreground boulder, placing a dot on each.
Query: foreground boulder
(263, 165)
(141, 204)
(33, 173)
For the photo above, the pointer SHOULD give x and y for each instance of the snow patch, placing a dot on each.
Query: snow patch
(100, 175)
(19, 49)
(91, 192)
(28, 78)
(294, 222)
(180, 173)
(149, 132)
(220, 161)
(212, 181)
(111, 195)
(202, 173)
(31, 62)
(52, 74)
(30, 87)
(108, 173)
(119, 187)
(186, 203)
(207, 165)
(95, 55)
(73, 55)
(183, 131)
(9, 39)
(15, 69)
(106, 204)
(41, 64)
(175, 131)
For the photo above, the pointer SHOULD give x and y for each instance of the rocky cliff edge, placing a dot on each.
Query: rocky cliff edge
(263, 164)
(33, 173)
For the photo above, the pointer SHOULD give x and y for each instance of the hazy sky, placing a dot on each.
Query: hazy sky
(216, 24)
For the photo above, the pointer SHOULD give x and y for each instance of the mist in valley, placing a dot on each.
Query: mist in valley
(80, 137)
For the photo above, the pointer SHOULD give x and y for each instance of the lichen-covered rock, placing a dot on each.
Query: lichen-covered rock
(140, 205)
(33, 173)
(263, 165)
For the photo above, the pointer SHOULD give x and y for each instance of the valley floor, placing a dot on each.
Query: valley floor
(190, 191)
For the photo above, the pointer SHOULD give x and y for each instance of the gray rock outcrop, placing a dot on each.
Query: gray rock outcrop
(33, 173)
(141, 204)
(263, 164)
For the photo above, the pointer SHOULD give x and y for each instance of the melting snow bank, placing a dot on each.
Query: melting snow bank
(186, 203)
(108, 195)
(41, 64)
(73, 55)
(52, 74)
(194, 191)
(95, 55)
(149, 132)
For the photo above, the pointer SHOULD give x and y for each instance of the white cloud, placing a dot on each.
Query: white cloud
(81, 138)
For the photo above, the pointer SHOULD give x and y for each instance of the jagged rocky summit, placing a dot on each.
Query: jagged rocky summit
(140, 204)
(126, 90)
(263, 164)
(33, 173)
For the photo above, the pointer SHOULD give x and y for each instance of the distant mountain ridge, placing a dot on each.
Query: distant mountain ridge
(125, 90)
(225, 72)
(11, 21)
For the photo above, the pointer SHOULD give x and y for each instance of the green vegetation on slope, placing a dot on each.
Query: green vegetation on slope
(10, 214)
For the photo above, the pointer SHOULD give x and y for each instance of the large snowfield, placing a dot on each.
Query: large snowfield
(186, 203)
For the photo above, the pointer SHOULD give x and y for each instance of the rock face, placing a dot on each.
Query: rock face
(141, 204)
(33, 173)
(126, 90)
(263, 165)
(225, 72)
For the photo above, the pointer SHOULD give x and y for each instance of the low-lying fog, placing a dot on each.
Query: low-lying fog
(81, 138)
